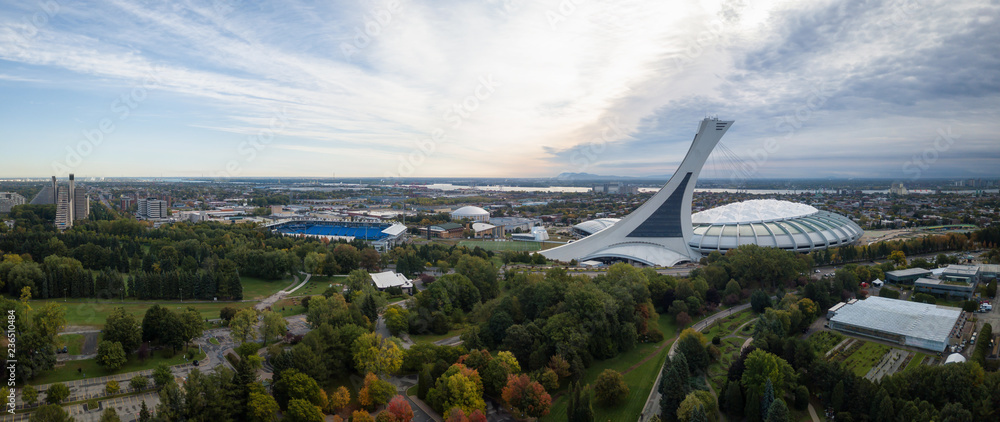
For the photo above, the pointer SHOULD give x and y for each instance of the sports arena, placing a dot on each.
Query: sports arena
(383, 236)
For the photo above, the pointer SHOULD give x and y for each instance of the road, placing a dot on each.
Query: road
(271, 300)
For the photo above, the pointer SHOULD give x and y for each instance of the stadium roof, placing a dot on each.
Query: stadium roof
(911, 319)
(469, 211)
(753, 211)
(590, 227)
(478, 227)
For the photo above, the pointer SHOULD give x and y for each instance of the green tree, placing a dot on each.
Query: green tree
(242, 325)
(262, 407)
(302, 411)
(111, 355)
(144, 412)
(778, 412)
(162, 375)
(372, 353)
(674, 386)
(124, 328)
(396, 319)
(56, 393)
(610, 388)
(274, 325)
(760, 367)
(110, 415)
(138, 383)
(459, 387)
(293, 384)
(760, 300)
(112, 388)
(692, 344)
(50, 413)
(29, 395)
(580, 409)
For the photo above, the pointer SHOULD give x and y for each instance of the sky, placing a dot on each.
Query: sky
(904, 89)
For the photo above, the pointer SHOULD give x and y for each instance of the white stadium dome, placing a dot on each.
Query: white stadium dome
(771, 223)
(471, 213)
(590, 227)
(764, 222)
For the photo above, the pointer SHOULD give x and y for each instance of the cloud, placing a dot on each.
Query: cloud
(516, 88)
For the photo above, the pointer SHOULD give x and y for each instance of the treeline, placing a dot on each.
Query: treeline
(916, 246)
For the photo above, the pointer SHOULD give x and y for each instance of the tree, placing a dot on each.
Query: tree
(192, 325)
(610, 388)
(226, 314)
(124, 328)
(692, 344)
(460, 387)
(162, 375)
(339, 399)
(243, 324)
(580, 409)
(361, 416)
(138, 383)
(400, 409)
(898, 257)
(110, 415)
(372, 353)
(262, 407)
(29, 394)
(144, 412)
(761, 367)
(375, 392)
(275, 325)
(112, 388)
(111, 355)
(293, 384)
(526, 398)
(759, 301)
(396, 319)
(56, 393)
(303, 411)
(50, 413)
(674, 386)
(778, 412)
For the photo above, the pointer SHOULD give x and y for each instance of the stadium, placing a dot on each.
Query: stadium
(382, 236)
(763, 222)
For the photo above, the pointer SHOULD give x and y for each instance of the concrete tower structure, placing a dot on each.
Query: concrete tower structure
(658, 232)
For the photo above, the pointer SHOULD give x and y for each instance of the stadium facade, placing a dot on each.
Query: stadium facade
(659, 231)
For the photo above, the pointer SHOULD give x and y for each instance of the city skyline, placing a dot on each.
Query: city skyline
(900, 90)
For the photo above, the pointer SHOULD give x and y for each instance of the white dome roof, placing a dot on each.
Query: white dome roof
(469, 211)
(590, 227)
(753, 211)
(955, 358)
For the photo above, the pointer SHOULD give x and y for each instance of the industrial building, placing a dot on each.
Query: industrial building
(10, 200)
(907, 276)
(914, 324)
(382, 236)
(962, 273)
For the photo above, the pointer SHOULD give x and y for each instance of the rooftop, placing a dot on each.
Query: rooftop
(909, 272)
(754, 210)
(388, 279)
(912, 319)
(962, 270)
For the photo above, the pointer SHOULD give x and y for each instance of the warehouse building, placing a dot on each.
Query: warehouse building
(919, 325)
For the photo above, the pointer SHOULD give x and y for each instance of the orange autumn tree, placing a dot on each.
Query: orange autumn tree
(526, 398)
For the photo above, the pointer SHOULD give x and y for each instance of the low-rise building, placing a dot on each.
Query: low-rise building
(966, 273)
(914, 324)
(955, 289)
(907, 276)
(387, 279)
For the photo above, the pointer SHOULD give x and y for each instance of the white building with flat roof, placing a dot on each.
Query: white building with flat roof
(387, 279)
(913, 324)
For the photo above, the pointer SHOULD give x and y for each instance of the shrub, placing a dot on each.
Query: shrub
(716, 340)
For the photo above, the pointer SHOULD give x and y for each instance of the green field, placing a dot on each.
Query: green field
(823, 341)
(288, 307)
(88, 368)
(640, 380)
(317, 285)
(258, 288)
(73, 342)
(915, 361)
(430, 338)
(502, 246)
(865, 357)
(88, 312)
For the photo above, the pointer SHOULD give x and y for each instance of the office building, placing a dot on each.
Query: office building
(152, 208)
(10, 200)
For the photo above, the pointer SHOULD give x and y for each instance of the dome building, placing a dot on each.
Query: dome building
(590, 227)
(470, 213)
(771, 223)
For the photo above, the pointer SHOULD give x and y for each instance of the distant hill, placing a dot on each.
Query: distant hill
(591, 176)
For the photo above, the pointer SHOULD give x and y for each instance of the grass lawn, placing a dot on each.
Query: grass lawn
(317, 285)
(823, 341)
(865, 357)
(90, 312)
(289, 307)
(915, 361)
(502, 246)
(258, 288)
(728, 325)
(430, 338)
(640, 380)
(214, 341)
(74, 342)
(88, 368)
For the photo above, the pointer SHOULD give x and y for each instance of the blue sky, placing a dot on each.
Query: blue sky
(900, 89)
